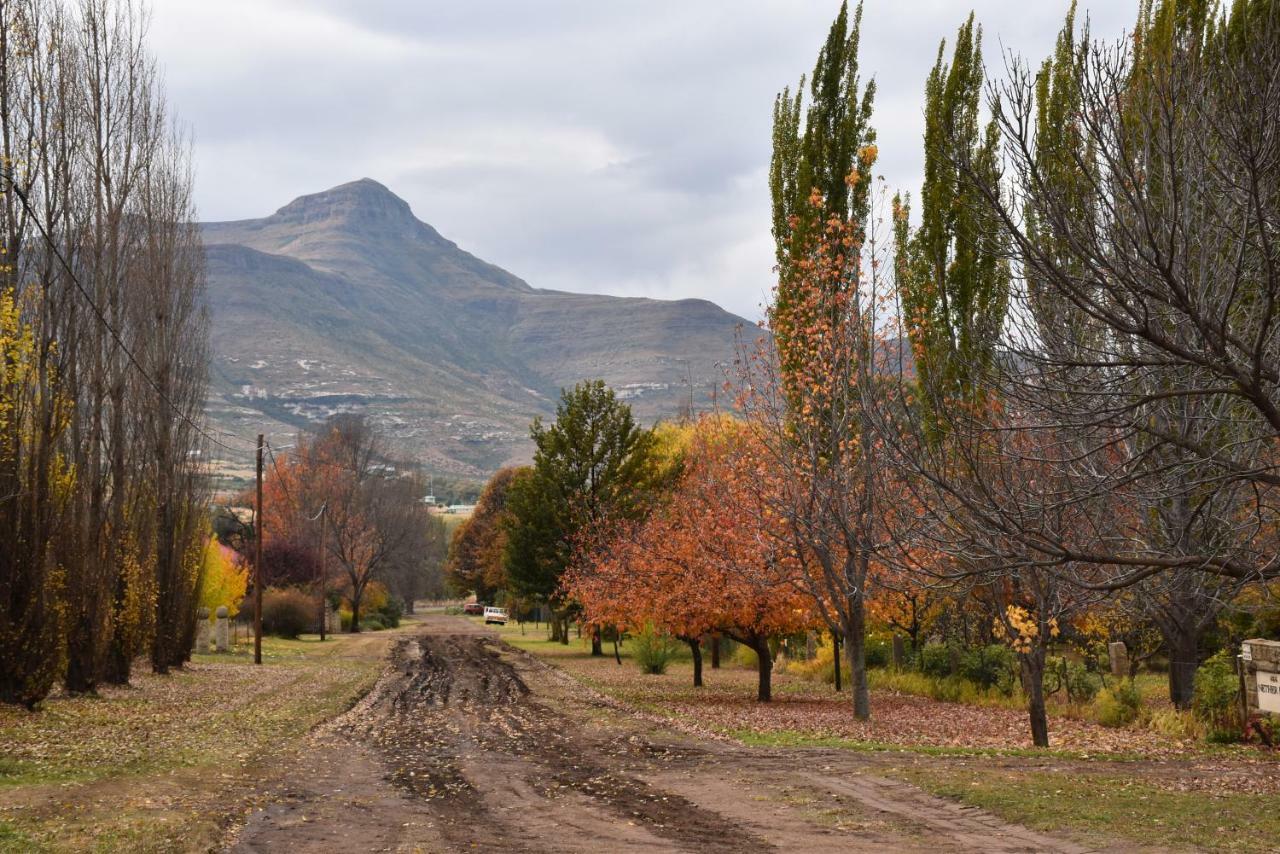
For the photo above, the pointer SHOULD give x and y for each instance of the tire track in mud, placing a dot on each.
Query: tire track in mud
(460, 729)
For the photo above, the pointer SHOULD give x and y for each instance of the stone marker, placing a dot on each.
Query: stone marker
(222, 632)
(1260, 663)
(899, 652)
(202, 631)
(1119, 655)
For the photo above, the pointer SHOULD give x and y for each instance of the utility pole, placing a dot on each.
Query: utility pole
(324, 606)
(257, 565)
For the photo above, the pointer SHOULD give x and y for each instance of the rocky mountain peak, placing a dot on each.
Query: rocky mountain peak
(363, 206)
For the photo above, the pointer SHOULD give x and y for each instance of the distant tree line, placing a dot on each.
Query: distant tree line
(103, 340)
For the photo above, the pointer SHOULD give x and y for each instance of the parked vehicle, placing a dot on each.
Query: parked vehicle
(495, 615)
(473, 609)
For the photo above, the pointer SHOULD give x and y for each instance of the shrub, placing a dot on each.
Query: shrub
(1117, 705)
(935, 660)
(1072, 678)
(288, 613)
(990, 667)
(1216, 698)
(653, 650)
(389, 613)
(879, 652)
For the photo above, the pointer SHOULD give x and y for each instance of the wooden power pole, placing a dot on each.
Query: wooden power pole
(257, 565)
(324, 606)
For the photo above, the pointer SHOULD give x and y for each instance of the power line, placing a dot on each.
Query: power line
(102, 318)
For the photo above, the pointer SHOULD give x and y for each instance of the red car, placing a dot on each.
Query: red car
(473, 609)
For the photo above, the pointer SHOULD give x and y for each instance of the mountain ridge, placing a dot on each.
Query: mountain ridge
(344, 300)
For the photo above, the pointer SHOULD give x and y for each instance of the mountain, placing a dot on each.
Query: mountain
(345, 301)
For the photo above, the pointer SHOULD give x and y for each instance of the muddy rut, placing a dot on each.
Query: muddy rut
(467, 744)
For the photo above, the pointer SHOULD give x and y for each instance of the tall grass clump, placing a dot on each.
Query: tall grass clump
(1117, 705)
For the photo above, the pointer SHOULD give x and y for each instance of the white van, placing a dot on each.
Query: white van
(495, 615)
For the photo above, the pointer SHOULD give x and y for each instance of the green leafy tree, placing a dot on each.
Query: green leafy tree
(819, 144)
(952, 274)
(594, 464)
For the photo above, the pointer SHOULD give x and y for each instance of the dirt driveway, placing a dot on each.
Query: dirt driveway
(469, 744)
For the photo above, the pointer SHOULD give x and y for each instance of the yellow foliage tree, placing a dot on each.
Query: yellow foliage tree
(224, 580)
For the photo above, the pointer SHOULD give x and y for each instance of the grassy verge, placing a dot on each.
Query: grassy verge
(1103, 807)
(158, 765)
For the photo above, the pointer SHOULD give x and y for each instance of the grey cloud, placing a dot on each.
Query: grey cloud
(584, 145)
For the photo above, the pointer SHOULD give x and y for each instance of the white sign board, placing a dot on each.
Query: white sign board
(1268, 691)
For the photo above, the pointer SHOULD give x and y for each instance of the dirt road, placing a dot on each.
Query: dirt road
(468, 744)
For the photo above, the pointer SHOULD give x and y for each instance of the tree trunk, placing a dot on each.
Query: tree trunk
(764, 664)
(855, 640)
(715, 651)
(597, 643)
(695, 647)
(80, 677)
(617, 656)
(1184, 650)
(1033, 684)
(355, 610)
(835, 661)
(564, 630)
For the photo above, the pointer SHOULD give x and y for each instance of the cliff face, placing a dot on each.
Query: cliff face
(344, 301)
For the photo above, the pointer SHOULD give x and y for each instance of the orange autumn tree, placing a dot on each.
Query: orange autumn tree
(374, 522)
(812, 393)
(700, 562)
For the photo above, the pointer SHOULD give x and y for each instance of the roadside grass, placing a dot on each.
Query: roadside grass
(158, 765)
(1104, 807)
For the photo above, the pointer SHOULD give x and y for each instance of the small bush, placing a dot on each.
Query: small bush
(389, 613)
(1216, 698)
(288, 613)
(1073, 679)
(1117, 705)
(653, 650)
(990, 667)
(935, 660)
(879, 652)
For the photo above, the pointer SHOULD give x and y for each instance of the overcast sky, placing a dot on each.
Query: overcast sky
(615, 146)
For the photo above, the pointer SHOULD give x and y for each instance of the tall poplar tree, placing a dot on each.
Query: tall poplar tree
(953, 275)
(818, 144)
